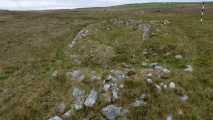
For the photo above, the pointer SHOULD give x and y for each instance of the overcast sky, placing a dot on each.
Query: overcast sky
(70, 4)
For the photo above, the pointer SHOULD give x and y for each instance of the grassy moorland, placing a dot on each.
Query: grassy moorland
(33, 44)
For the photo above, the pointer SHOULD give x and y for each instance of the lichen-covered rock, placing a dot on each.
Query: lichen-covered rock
(166, 71)
(139, 102)
(112, 112)
(106, 87)
(91, 98)
(115, 95)
(144, 64)
(77, 92)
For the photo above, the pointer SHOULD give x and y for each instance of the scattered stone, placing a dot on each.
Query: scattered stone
(172, 85)
(120, 74)
(145, 53)
(149, 75)
(93, 72)
(55, 118)
(106, 87)
(169, 117)
(166, 22)
(178, 56)
(189, 68)
(121, 86)
(158, 87)
(67, 114)
(109, 78)
(158, 67)
(143, 96)
(145, 30)
(152, 65)
(166, 71)
(149, 80)
(185, 97)
(74, 56)
(55, 73)
(155, 54)
(77, 92)
(112, 112)
(78, 105)
(61, 107)
(180, 112)
(115, 95)
(95, 78)
(91, 98)
(75, 74)
(164, 86)
(144, 64)
(139, 102)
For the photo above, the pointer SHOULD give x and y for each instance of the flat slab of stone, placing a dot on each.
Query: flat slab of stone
(112, 112)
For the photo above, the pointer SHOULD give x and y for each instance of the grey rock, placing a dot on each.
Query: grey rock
(115, 95)
(121, 86)
(152, 65)
(75, 74)
(112, 112)
(144, 64)
(158, 67)
(185, 97)
(95, 78)
(55, 118)
(178, 56)
(91, 98)
(61, 107)
(77, 92)
(158, 87)
(169, 117)
(67, 114)
(149, 80)
(93, 72)
(166, 71)
(164, 86)
(172, 85)
(143, 96)
(139, 102)
(149, 75)
(55, 73)
(74, 56)
(189, 68)
(78, 105)
(106, 87)
(120, 74)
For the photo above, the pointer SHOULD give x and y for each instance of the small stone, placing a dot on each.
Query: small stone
(152, 65)
(166, 71)
(95, 78)
(93, 72)
(180, 112)
(106, 87)
(121, 86)
(112, 112)
(61, 107)
(149, 80)
(74, 56)
(120, 74)
(67, 114)
(143, 96)
(78, 105)
(169, 117)
(144, 64)
(178, 56)
(115, 95)
(55, 73)
(145, 53)
(77, 92)
(91, 98)
(158, 67)
(158, 87)
(139, 102)
(189, 68)
(172, 85)
(185, 97)
(164, 86)
(55, 118)
(149, 75)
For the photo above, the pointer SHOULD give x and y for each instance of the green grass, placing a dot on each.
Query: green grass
(35, 43)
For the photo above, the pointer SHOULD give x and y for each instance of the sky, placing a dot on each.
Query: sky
(71, 4)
